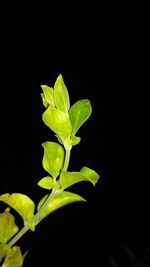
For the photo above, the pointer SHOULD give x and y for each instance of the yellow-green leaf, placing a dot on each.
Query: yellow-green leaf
(69, 178)
(21, 203)
(4, 250)
(53, 158)
(41, 202)
(44, 100)
(46, 182)
(48, 93)
(79, 113)
(14, 258)
(8, 228)
(72, 141)
(90, 174)
(61, 95)
(58, 122)
(57, 201)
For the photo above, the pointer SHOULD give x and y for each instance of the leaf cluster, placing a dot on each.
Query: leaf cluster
(64, 120)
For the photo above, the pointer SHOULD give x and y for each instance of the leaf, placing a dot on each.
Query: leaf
(75, 140)
(59, 200)
(53, 158)
(69, 178)
(58, 122)
(21, 203)
(46, 182)
(4, 250)
(41, 202)
(44, 100)
(61, 95)
(79, 113)
(14, 258)
(72, 141)
(8, 228)
(48, 93)
(90, 174)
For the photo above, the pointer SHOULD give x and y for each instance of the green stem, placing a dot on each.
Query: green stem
(67, 158)
(36, 218)
(18, 236)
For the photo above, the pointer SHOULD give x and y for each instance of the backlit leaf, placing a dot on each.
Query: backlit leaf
(21, 203)
(8, 228)
(53, 158)
(58, 122)
(57, 201)
(48, 93)
(90, 174)
(61, 95)
(79, 113)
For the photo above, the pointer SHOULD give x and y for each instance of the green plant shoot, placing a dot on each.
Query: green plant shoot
(64, 120)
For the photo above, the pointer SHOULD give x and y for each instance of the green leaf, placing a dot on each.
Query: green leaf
(41, 202)
(74, 140)
(69, 178)
(57, 201)
(48, 93)
(58, 122)
(71, 141)
(46, 182)
(21, 203)
(8, 228)
(44, 100)
(4, 250)
(79, 113)
(61, 95)
(53, 158)
(14, 258)
(90, 174)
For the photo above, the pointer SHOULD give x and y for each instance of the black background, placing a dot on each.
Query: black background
(100, 55)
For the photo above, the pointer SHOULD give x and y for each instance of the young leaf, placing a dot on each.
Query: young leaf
(21, 203)
(8, 228)
(72, 141)
(46, 182)
(14, 258)
(75, 140)
(44, 100)
(48, 93)
(58, 122)
(90, 174)
(61, 95)
(79, 113)
(59, 200)
(53, 158)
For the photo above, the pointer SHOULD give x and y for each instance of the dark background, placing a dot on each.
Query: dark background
(100, 55)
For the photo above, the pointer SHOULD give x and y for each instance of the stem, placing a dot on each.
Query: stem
(18, 236)
(26, 228)
(67, 158)
(36, 218)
